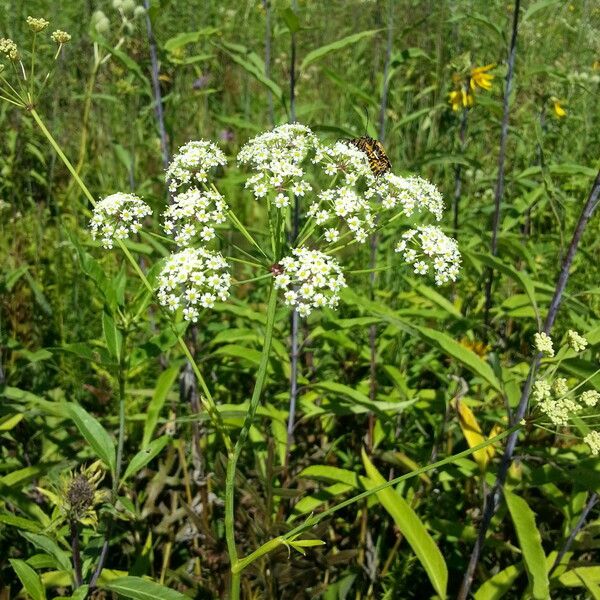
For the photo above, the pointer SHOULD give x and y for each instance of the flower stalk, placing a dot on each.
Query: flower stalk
(239, 445)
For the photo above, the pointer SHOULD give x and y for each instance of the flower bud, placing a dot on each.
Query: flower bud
(60, 37)
(37, 25)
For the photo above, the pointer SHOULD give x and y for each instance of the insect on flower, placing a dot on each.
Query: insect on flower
(378, 159)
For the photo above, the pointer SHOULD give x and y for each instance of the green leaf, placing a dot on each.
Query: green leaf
(190, 37)
(143, 457)
(163, 386)
(112, 336)
(20, 522)
(328, 48)
(530, 543)
(49, 546)
(93, 432)
(29, 578)
(290, 18)
(253, 69)
(412, 529)
(498, 585)
(466, 357)
(518, 276)
(142, 589)
(537, 6)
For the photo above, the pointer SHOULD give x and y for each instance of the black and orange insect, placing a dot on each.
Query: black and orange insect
(378, 159)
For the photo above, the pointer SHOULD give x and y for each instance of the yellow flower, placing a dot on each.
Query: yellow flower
(460, 99)
(596, 65)
(559, 111)
(481, 78)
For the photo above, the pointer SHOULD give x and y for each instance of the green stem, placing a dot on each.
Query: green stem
(121, 435)
(276, 542)
(235, 455)
(62, 157)
(234, 586)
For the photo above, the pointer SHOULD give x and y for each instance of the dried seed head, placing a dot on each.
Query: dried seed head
(80, 495)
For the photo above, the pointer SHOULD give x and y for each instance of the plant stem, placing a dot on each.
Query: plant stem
(499, 192)
(458, 170)
(160, 117)
(295, 318)
(492, 500)
(76, 553)
(580, 523)
(239, 445)
(267, 8)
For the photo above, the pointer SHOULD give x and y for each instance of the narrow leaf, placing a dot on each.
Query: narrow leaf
(142, 589)
(93, 432)
(530, 543)
(143, 457)
(412, 529)
(29, 578)
(163, 386)
(327, 49)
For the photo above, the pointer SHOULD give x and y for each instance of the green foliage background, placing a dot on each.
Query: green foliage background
(432, 345)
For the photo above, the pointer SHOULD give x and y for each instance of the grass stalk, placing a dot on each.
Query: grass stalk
(499, 191)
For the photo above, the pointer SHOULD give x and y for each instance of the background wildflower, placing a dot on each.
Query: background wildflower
(37, 25)
(592, 439)
(576, 342)
(543, 343)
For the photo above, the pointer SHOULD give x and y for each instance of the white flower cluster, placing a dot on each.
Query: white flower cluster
(576, 342)
(192, 279)
(311, 279)
(543, 343)
(408, 194)
(592, 439)
(343, 203)
(117, 216)
(194, 214)
(193, 162)
(429, 248)
(344, 158)
(277, 158)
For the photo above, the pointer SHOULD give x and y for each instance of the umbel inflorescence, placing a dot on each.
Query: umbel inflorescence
(562, 401)
(344, 203)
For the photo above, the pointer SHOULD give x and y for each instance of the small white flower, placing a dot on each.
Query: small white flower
(428, 246)
(411, 194)
(332, 235)
(193, 162)
(192, 277)
(277, 156)
(117, 217)
(194, 214)
(311, 279)
(281, 201)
